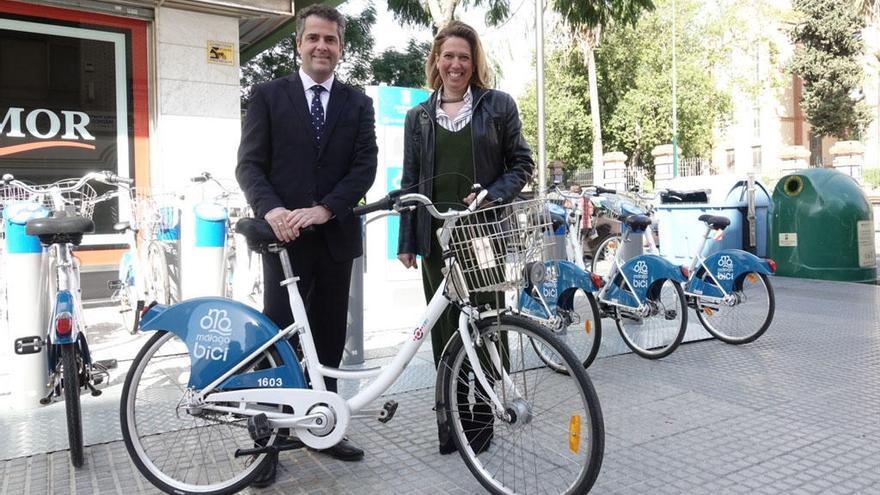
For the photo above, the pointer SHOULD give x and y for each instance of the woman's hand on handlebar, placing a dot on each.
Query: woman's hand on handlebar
(408, 260)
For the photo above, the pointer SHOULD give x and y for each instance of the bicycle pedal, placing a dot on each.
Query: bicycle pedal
(105, 364)
(259, 428)
(388, 411)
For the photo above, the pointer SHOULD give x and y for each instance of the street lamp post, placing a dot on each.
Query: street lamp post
(674, 101)
(539, 49)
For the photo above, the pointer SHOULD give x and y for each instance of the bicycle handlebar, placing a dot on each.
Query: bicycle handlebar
(105, 176)
(397, 201)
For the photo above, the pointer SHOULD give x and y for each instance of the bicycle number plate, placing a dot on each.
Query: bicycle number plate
(28, 345)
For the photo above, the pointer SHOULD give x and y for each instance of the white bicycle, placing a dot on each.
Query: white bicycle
(218, 385)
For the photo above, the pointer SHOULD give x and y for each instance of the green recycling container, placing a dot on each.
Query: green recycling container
(821, 227)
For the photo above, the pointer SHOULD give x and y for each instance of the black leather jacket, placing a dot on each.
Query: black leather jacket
(502, 159)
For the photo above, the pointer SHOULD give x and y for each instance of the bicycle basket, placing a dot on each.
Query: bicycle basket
(493, 245)
(80, 201)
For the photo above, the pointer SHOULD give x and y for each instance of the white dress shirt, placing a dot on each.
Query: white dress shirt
(308, 82)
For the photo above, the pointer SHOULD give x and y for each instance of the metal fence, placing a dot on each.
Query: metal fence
(689, 167)
(635, 176)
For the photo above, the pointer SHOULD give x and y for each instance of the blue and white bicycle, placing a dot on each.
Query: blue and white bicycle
(217, 386)
(71, 369)
(729, 290)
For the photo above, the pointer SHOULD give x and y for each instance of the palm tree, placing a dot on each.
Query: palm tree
(586, 18)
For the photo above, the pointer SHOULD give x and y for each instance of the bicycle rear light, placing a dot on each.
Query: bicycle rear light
(772, 265)
(596, 279)
(63, 323)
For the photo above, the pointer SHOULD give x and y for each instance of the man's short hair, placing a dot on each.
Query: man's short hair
(324, 12)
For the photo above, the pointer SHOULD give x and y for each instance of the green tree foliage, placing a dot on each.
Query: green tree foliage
(567, 124)
(829, 44)
(281, 59)
(437, 13)
(406, 68)
(634, 74)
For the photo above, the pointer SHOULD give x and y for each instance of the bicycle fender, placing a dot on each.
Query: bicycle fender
(219, 333)
(562, 278)
(726, 266)
(642, 271)
(63, 304)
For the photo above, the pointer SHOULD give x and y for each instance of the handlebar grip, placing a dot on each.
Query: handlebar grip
(385, 203)
(602, 190)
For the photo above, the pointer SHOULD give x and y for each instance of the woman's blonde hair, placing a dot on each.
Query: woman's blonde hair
(457, 29)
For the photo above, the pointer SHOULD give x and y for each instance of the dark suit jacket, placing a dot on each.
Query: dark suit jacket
(280, 164)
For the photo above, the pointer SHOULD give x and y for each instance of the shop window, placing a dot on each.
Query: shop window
(756, 158)
(66, 107)
(730, 159)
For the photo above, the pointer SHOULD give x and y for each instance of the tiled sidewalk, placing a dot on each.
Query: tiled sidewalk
(798, 411)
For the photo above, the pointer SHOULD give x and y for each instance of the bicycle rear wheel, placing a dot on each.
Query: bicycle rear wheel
(180, 449)
(70, 377)
(551, 438)
(659, 332)
(748, 315)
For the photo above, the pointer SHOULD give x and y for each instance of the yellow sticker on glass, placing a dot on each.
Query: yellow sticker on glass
(574, 433)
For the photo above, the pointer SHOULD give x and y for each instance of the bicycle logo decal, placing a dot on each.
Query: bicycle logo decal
(725, 268)
(641, 268)
(419, 332)
(213, 345)
(640, 280)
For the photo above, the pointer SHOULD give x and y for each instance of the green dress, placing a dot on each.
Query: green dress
(453, 181)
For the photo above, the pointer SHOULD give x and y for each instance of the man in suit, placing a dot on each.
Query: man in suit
(307, 156)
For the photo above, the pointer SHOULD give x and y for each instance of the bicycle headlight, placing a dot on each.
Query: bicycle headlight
(535, 272)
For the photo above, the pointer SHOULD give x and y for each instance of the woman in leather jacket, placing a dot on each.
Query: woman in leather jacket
(464, 134)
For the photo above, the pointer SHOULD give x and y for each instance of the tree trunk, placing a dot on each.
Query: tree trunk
(589, 40)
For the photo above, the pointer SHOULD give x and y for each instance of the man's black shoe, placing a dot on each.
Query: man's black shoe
(267, 475)
(344, 451)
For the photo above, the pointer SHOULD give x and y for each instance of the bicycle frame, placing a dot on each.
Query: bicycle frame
(201, 322)
(722, 267)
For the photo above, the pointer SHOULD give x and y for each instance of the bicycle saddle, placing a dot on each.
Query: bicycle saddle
(638, 223)
(257, 232)
(60, 230)
(715, 222)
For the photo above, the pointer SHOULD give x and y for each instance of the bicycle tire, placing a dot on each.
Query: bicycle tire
(146, 427)
(660, 339)
(747, 288)
(583, 330)
(70, 387)
(530, 438)
(160, 279)
(603, 257)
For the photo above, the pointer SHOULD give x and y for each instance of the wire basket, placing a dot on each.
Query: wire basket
(158, 214)
(493, 246)
(80, 201)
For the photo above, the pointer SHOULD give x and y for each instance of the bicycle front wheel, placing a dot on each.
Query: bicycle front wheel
(581, 331)
(179, 448)
(70, 385)
(550, 436)
(746, 316)
(660, 328)
(603, 259)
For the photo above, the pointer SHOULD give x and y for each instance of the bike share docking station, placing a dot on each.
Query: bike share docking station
(203, 250)
(25, 303)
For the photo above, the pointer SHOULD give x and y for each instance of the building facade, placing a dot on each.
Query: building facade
(148, 90)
